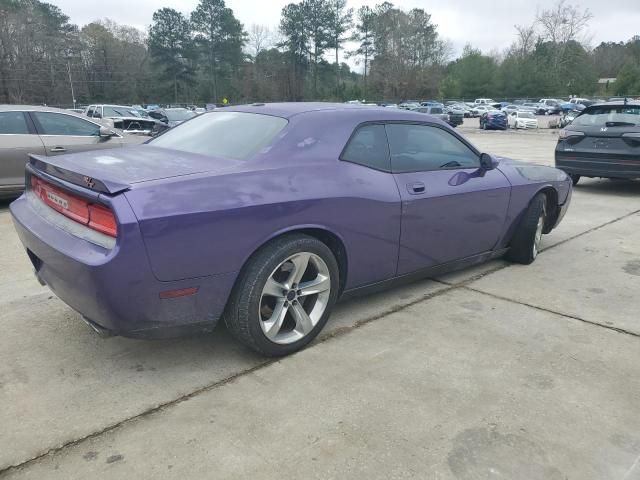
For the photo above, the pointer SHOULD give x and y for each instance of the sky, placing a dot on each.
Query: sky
(488, 25)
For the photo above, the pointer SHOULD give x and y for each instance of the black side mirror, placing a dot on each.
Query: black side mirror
(486, 162)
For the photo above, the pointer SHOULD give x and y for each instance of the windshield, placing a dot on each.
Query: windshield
(179, 115)
(234, 135)
(525, 115)
(609, 116)
(120, 112)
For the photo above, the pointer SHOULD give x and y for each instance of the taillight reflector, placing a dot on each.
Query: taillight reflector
(182, 292)
(93, 215)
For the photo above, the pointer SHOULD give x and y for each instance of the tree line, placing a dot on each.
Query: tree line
(208, 55)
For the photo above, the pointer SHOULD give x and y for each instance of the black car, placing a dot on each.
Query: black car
(456, 115)
(603, 141)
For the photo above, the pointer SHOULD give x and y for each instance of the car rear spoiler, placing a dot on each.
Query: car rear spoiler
(45, 164)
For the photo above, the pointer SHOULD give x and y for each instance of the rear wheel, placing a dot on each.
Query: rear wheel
(284, 295)
(525, 243)
(574, 178)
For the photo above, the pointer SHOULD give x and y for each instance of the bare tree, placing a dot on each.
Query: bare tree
(260, 38)
(563, 23)
(526, 39)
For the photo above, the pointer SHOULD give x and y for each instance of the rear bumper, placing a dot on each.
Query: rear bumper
(598, 166)
(115, 290)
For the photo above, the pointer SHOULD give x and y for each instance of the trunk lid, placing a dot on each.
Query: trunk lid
(115, 171)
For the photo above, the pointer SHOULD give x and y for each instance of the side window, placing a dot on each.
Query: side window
(89, 112)
(369, 147)
(60, 124)
(417, 148)
(13, 123)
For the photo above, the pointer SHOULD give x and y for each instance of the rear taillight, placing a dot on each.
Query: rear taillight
(564, 133)
(96, 216)
(103, 220)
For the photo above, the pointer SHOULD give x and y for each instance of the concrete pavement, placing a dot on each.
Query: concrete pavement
(500, 371)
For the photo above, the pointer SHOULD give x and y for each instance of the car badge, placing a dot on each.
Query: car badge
(603, 129)
(89, 181)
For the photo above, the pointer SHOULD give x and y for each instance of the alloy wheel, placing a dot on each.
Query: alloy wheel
(539, 228)
(294, 298)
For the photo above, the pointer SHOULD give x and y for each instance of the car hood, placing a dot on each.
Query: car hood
(116, 170)
(519, 172)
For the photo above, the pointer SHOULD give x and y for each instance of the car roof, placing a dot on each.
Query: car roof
(312, 110)
(290, 109)
(616, 103)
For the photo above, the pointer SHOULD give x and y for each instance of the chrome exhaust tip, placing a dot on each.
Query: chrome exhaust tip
(101, 331)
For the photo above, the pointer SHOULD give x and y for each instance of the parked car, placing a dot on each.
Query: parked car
(522, 120)
(437, 112)
(432, 103)
(482, 109)
(603, 141)
(549, 106)
(45, 131)
(175, 116)
(127, 119)
(508, 109)
(409, 105)
(493, 120)
(201, 228)
(530, 107)
(565, 119)
(484, 101)
(456, 114)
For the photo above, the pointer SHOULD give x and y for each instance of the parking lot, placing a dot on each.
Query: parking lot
(502, 371)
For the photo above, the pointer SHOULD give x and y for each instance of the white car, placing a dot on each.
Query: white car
(484, 101)
(522, 120)
(480, 109)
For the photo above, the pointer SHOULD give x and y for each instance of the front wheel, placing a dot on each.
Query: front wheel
(525, 243)
(284, 295)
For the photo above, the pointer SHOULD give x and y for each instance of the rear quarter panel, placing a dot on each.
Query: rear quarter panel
(204, 224)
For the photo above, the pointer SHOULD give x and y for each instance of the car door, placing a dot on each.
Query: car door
(451, 208)
(64, 133)
(17, 140)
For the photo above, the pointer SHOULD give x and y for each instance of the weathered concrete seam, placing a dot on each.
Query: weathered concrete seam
(335, 334)
(164, 406)
(560, 314)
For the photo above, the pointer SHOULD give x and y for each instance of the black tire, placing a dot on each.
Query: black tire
(525, 244)
(574, 178)
(242, 315)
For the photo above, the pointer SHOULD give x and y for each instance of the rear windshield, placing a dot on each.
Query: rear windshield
(236, 135)
(609, 116)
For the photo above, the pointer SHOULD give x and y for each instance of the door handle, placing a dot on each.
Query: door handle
(58, 149)
(417, 188)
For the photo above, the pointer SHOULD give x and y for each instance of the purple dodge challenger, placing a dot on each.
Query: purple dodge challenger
(264, 215)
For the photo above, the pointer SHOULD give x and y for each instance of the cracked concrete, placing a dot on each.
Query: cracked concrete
(484, 372)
